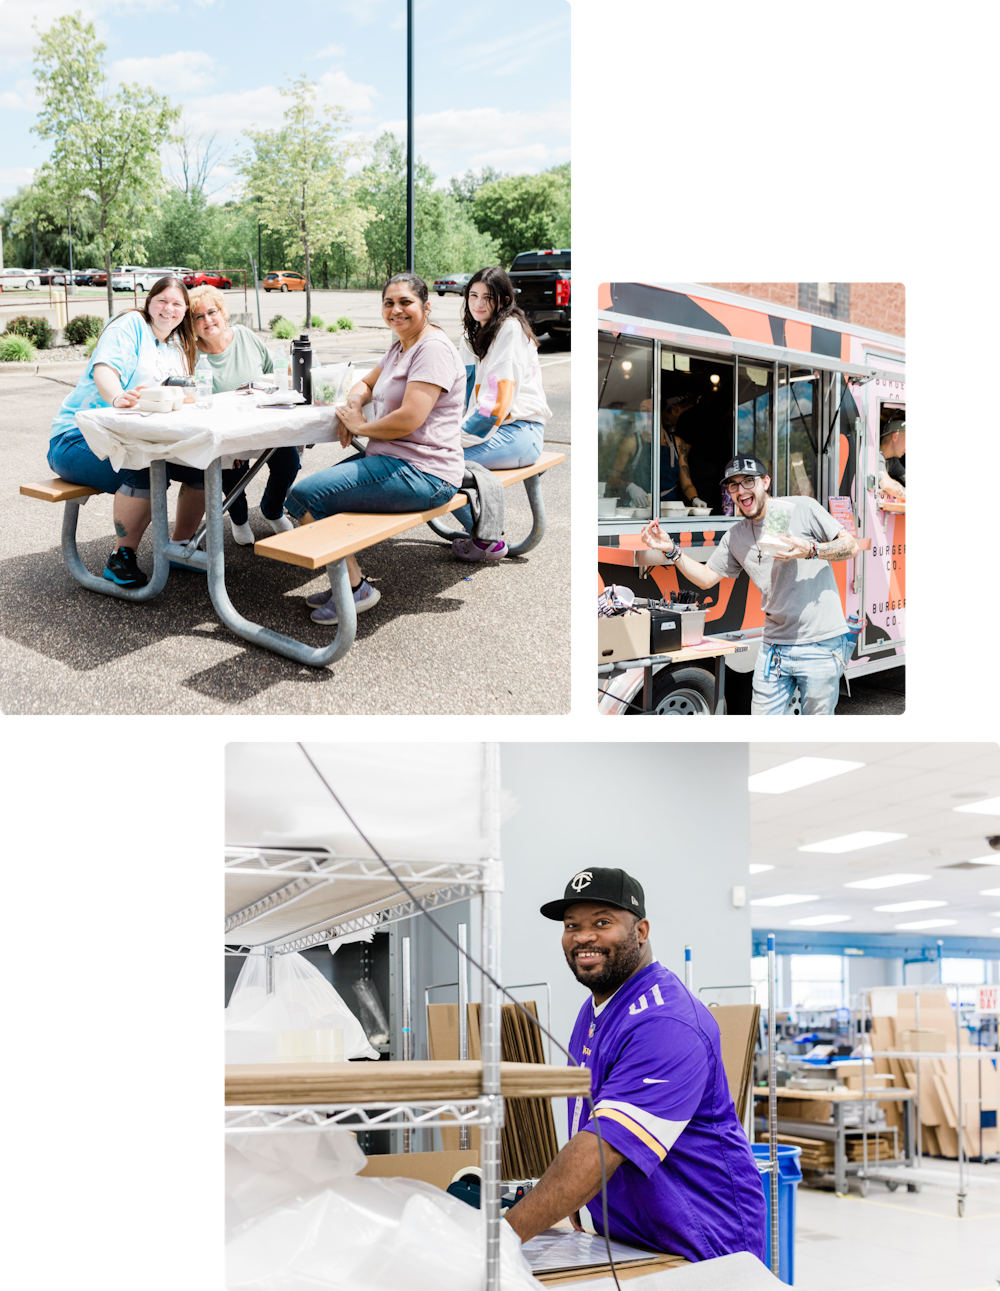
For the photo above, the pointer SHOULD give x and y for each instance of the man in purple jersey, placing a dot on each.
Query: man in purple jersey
(681, 1176)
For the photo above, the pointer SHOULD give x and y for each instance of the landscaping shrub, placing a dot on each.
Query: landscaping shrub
(15, 349)
(37, 330)
(345, 324)
(78, 329)
(283, 330)
(332, 327)
(317, 321)
(276, 319)
(89, 345)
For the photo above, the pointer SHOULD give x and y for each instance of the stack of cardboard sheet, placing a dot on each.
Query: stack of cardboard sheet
(738, 1025)
(319, 1083)
(817, 1154)
(894, 1026)
(528, 1140)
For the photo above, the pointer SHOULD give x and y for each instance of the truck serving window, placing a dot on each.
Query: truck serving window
(540, 260)
(796, 464)
(624, 427)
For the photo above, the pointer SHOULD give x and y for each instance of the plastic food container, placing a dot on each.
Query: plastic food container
(331, 383)
(606, 506)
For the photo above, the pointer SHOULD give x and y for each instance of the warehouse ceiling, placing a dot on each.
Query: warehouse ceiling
(910, 789)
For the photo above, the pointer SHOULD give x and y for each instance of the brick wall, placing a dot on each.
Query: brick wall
(881, 305)
(839, 307)
(781, 293)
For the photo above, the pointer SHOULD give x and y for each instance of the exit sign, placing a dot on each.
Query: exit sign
(988, 999)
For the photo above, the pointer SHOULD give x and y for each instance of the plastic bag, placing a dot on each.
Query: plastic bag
(266, 1170)
(375, 1234)
(331, 383)
(372, 1013)
(258, 1024)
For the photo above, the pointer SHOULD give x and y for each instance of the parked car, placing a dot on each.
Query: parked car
(144, 278)
(45, 275)
(85, 277)
(455, 283)
(284, 281)
(542, 281)
(11, 279)
(206, 278)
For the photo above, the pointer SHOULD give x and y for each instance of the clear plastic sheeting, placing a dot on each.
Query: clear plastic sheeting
(285, 1232)
(268, 1170)
(414, 801)
(260, 1027)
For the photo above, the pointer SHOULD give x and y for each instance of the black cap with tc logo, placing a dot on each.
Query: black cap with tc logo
(744, 466)
(609, 887)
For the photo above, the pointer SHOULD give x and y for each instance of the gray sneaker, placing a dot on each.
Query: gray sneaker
(365, 596)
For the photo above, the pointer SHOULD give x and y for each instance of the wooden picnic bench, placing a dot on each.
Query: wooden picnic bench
(320, 544)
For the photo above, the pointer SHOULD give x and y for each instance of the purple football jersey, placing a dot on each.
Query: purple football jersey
(689, 1184)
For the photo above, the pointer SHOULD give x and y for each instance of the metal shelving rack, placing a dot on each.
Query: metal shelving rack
(280, 900)
(916, 1174)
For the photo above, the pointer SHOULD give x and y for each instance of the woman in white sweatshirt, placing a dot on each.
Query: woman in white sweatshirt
(505, 408)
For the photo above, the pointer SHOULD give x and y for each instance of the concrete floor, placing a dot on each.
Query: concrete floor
(902, 1241)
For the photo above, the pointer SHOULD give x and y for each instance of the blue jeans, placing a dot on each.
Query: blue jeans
(518, 443)
(816, 667)
(72, 460)
(373, 484)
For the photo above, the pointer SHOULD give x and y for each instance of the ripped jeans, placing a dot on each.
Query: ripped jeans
(815, 667)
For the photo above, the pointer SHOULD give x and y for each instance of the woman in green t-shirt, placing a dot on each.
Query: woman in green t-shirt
(237, 355)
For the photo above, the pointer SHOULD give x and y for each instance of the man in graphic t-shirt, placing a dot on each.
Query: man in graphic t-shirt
(786, 546)
(680, 1174)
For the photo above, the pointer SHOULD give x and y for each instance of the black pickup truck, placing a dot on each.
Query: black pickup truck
(542, 282)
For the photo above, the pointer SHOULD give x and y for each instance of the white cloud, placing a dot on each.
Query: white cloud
(16, 175)
(19, 20)
(484, 129)
(331, 51)
(263, 108)
(529, 158)
(187, 70)
(21, 98)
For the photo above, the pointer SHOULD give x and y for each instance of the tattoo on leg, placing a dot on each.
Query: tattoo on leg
(120, 529)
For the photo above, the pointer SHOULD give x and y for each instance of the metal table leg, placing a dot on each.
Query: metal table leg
(720, 685)
(161, 559)
(313, 656)
(647, 689)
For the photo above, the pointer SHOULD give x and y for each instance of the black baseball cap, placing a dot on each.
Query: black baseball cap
(610, 887)
(744, 466)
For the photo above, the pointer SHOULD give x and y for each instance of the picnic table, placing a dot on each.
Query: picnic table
(234, 428)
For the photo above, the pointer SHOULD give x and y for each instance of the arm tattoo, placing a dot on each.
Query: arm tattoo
(839, 549)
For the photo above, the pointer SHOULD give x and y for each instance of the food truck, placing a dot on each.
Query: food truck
(808, 395)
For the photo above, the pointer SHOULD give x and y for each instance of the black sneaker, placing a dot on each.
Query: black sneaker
(123, 568)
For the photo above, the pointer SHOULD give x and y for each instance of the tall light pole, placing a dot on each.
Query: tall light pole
(410, 261)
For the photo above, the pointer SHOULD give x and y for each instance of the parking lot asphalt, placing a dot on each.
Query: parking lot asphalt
(445, 638)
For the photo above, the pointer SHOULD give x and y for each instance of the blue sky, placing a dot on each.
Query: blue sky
(484, 96)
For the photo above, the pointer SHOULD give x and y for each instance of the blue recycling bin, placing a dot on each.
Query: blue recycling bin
(789, 1176)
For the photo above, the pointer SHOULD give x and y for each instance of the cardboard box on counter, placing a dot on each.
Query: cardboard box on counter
(625, 636)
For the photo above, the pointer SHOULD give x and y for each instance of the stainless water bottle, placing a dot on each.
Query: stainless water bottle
(302, 361)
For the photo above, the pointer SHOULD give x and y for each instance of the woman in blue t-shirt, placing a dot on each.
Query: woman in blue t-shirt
(138, 348)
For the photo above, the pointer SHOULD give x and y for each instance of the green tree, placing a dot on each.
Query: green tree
(521, 212)
(446, 240)
(464, 187)
(299, 173)
(105, 160)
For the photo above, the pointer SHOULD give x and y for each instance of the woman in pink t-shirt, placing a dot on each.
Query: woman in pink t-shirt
(414, 460)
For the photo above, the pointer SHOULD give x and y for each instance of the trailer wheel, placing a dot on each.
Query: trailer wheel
(863, 1187)
(892, 1184)
(684, 692)
(913, 1187)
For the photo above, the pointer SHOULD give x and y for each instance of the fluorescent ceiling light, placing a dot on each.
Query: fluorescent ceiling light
(852, 842)
(984, 807)
(888, 881)
(929, 923)
(797, 774)
(902, 907)
(759, 869)
(786, 898)
(990, 892)
(821, 918)
(984, 860)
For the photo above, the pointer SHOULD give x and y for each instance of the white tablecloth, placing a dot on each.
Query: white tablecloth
(232, 428)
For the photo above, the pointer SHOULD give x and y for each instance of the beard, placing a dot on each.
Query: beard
(620, 962)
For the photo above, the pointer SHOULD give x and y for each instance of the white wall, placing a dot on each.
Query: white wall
(675, 816)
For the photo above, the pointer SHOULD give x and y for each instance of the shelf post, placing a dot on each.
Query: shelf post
(407, 1050)
(490, 1133)
(772, 1096)
(269, 970)
(463, 1013)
